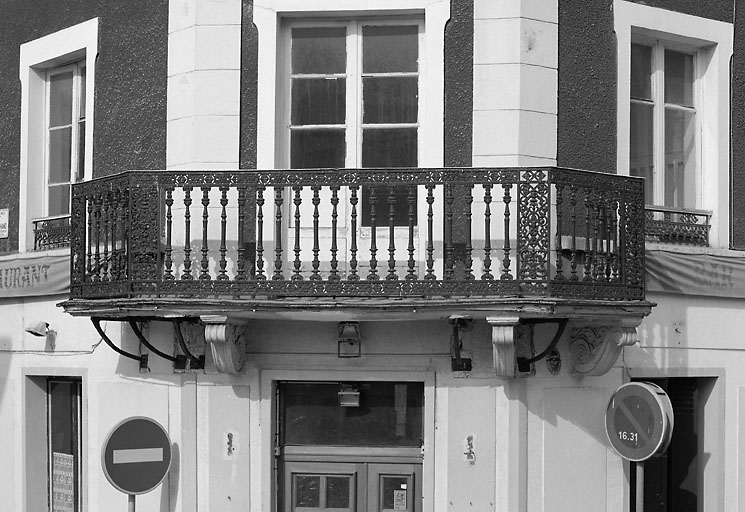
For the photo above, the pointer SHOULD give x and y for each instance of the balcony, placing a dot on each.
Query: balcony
(478, 233)
(512, 246)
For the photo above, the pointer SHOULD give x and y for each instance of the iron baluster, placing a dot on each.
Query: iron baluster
(278, 235)
(187, 275)
(353, 200)
(430, 274)
(334, 273)
(588, 239)
(559, 231)
(223, 273)
(297, 201)
(373, 275)
(260, 276)
(573, 258)
(411, 199)
(487, 275)
(449, 254)
(506, 198)
(97, 241)
(106, 224)
(240, 274)
(468, 272)
(315, 276)
(392, 276)
(205, 273)
(168, 263)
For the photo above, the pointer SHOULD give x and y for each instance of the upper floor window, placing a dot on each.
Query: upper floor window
(57, 73)
(354, 101)
(664, 137)
(65, 135)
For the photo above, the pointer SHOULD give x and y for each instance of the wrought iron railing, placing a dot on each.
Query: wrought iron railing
(480, 232)
(676, 226)
(51, 232)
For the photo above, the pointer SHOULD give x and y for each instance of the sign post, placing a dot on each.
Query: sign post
(136, 457)
(639, 424)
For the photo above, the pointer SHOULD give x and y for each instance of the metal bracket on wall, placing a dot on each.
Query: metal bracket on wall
(195, 362)
(459, 323)
(142, 358)
(523, 364)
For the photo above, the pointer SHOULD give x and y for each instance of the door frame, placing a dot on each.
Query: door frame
(263, 438)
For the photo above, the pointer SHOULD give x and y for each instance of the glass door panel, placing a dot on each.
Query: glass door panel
(393, 487)
(321, 487)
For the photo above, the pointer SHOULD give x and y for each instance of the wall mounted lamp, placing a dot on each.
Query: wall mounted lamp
(349, 396)
(40, 329)
(349, 340)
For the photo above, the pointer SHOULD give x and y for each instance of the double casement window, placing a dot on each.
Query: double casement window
(664, 137)
(64, 440)
(65, 135)
(354, 100)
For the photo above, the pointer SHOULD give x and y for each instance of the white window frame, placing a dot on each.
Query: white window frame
(658, 48)
(75, 119)
(353, 98)
(712, 42)
(37, 57)
(272, 96)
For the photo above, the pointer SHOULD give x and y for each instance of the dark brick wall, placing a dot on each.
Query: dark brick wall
(720, 10)
(249, 87)
(458, 142)
(587, 86)
(130, 89)
(737, 135)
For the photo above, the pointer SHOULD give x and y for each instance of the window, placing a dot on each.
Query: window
(354, 102)
(65, 136)
(64, 436)
(664, 129)
(673, 127)
(57, 74)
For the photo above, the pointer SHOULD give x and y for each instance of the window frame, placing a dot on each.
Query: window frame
(354, 124)
(658, 48)
(78, 42)
(75, 119)
(77, 421)
(713, 41)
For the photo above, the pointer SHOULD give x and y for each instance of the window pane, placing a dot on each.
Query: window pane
(60, 99)
(60, 141)
(318, 101)
(680, 158)
(641, 72)
(317, 148)
(389, 147)
(307, 491)
(64, 445)
(394, 490)
(678, 78)
(81, 102)
(389, 99)
(59, 200)
(387, 49)
(319, 50)
(641, 156)
(337, 492)
(387, 415)
(81, 152)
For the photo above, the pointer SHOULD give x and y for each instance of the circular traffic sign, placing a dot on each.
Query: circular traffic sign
(136, 455)
(639, 421)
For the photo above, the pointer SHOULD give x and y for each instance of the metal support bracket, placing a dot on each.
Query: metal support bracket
(144, 341)
(523, 364)
(142, 358)
(195, 362)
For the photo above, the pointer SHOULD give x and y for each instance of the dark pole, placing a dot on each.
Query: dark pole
(639, 486)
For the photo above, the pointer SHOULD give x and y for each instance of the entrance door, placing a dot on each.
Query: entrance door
(341, 487)
(350, 447)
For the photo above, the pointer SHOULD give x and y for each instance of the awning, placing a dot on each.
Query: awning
(695, 274)
(34, 276)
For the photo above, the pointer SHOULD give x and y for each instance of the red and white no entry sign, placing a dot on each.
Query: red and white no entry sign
(136, 455)
(639, 421)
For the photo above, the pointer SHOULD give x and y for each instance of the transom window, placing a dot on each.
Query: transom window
(664, 127)
(65, 135)
(354, 100)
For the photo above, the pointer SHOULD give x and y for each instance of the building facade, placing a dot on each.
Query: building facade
(380, 255)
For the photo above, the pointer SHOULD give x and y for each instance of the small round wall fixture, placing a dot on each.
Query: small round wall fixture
(639, 421)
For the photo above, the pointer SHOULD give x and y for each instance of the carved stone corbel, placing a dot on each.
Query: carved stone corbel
(595, 349)
(503, 338)
(227, 343)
